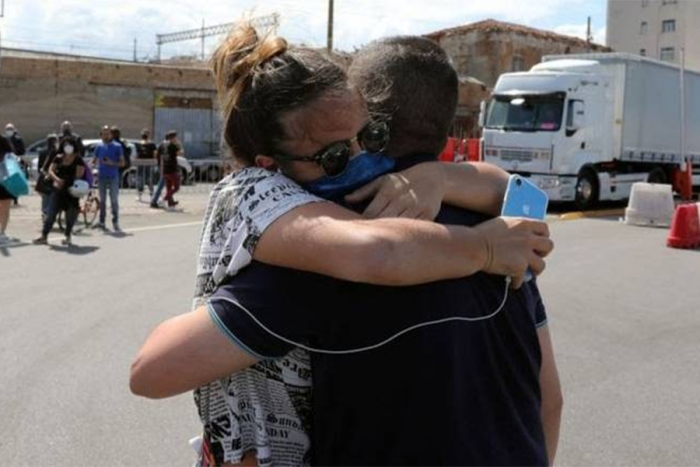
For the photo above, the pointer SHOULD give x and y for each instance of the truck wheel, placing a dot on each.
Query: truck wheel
(587, 189)
(657, 175)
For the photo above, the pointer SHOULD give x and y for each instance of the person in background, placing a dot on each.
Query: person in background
(110, 158)
(147, 152)
(162, 149)
(67, 130)
(15, 139)
(126, 150)
(5, 196)
(169, 167)
(46, 157)
(65, 168)
(17, 144)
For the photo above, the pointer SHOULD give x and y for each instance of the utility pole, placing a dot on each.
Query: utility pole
(588, 36)
(329, 43)
(135, 45)
(202, 39)
(2, 15)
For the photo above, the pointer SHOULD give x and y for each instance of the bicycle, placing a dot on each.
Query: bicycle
(88, 209)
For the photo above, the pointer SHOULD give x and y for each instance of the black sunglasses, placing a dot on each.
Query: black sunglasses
(335, 157)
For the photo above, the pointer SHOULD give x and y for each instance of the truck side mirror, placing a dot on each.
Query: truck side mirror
(482, 114)
(576, 118)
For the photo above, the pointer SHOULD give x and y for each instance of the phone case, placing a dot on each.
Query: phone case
(524, 199)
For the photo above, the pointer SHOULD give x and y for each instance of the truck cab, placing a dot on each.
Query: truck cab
(536, 125)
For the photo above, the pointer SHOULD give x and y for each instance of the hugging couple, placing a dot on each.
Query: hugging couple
(338, 232)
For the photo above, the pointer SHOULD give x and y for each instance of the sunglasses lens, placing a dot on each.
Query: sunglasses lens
(374, 137)
(335, 160)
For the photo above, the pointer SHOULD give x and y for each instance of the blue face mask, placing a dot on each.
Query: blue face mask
(361, 169)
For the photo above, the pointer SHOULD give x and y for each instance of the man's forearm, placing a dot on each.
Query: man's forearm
(477, 186)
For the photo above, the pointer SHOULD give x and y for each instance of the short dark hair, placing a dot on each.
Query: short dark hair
(410, 81)
(260, 78)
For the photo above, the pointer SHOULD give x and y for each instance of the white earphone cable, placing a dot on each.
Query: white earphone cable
(373, 346)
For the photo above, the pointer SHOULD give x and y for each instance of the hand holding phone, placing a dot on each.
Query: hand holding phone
(524, 199)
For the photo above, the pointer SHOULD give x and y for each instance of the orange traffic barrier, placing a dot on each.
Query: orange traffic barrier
(685, 227)
(474, 155)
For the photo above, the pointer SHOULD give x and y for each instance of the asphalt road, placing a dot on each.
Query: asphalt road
(624, 312)
(70, 325)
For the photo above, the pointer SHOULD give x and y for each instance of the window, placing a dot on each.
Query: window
(668, 25)
(668, 54)
(643, 28)
(643, 52)
(518, 63)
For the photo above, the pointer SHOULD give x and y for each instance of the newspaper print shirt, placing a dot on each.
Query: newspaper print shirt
(266, 408)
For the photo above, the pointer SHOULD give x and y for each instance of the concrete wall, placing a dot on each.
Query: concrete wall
(37, 94)
(625, 32)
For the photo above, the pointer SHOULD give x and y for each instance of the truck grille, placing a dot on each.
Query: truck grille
(520, 155)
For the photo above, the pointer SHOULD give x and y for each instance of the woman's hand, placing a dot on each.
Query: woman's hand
(513, 244)
(415, 193)
(58, 183)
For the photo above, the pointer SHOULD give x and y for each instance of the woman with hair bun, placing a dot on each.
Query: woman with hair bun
(301, 136)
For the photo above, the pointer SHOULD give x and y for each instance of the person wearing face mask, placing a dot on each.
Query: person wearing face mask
(110, 158)
(67, 130)
(66, 168)
(17, 144)
(15, 139)
(44, 183)
(291, 112)
(5, 196)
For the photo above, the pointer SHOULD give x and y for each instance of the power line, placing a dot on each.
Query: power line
(263, 22)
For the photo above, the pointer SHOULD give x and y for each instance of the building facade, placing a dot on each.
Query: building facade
(656, 29)
(38, 91)
(482, 51)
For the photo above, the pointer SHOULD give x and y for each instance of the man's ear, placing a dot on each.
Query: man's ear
(265, 162)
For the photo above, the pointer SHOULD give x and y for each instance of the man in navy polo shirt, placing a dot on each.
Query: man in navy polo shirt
(456, 393)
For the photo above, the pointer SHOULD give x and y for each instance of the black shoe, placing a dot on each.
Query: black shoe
(155, 206)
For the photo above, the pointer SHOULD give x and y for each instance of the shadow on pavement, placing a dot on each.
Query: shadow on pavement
(121, 234)
(77, 250)
(5, 249)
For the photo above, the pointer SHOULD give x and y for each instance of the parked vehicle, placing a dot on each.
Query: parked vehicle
(586, 127)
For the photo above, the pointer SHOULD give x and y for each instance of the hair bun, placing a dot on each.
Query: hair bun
(236, 59)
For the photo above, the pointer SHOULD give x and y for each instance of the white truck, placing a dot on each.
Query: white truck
(586, 127)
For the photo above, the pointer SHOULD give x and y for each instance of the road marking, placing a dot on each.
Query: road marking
(162, 227)
(570, 216)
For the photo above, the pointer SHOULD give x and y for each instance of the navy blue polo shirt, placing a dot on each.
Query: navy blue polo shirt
(458, 393)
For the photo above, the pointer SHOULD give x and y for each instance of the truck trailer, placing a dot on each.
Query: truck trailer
(586, 127)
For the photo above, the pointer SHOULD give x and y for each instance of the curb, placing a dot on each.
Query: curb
(571, 216)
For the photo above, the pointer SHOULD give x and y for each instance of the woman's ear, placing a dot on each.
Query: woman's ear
(265, 162)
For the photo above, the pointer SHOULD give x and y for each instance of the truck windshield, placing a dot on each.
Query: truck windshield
(526, 112)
